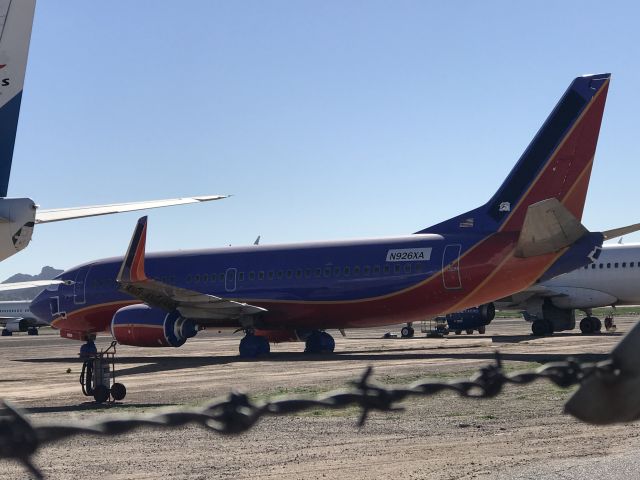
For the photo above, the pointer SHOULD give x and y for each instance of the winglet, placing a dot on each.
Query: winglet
(132, 269)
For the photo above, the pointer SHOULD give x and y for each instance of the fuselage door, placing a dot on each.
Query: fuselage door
(451, 267)
(230, 280)
(79, 286)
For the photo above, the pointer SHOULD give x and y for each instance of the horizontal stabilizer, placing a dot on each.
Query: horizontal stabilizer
(618, 232)
(548, 227)
(57, 214)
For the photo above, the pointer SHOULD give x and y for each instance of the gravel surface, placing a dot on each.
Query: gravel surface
(522, 434)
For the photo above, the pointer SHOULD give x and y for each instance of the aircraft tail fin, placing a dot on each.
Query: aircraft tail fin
(556, 164)
(16, 20)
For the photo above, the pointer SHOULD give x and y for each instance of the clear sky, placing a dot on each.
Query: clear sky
(324, 119)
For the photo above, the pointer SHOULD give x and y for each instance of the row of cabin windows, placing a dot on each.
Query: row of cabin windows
(317, 272)
(615, 265)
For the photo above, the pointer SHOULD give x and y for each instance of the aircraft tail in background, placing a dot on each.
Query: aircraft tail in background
(16, 20)
(556, 164)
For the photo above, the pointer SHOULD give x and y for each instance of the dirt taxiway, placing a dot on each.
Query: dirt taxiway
(521, 434)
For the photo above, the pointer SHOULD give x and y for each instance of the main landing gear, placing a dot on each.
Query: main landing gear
(590, 325)
(252, 346)
(542, 327)
(98, 375)
(319, 342)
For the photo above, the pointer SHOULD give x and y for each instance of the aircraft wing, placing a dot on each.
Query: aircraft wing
(58, 214)
(31, 284)
(191, 304)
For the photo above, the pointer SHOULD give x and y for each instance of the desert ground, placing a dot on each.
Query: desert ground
(521, 434)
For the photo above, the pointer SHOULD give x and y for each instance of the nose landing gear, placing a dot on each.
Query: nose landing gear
(98, 375)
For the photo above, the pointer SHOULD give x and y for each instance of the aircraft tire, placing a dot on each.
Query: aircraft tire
(101, 394)
(458, 332)
(407, 332)
(469, 331)
(549, 327)
(6, 333)
(539, 328)
(252, 346)
(586, 326)
(597, 324)
(320, 342)
(118, 391)
(482, 330)
(32, 331)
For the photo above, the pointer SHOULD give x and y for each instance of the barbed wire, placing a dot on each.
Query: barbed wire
(20, 439)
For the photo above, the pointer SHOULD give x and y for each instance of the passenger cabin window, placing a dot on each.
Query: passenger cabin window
(346, 271)
(601, 265)
(396, 268)
(252, 275)
(356, 270)
(631, 264)
(624, 264)
(387, 269)
(366, 270)
(261, 275)
(615, 265)
(593, 265)
(241, 277)
(608, 265)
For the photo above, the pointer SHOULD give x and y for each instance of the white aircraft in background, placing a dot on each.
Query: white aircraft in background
(612, 280)
(18, 216)
(15, 316)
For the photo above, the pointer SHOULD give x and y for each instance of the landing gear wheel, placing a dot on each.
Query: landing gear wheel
(118, 391)
(482, 330)
(586, 326)
(458, 332)
(539, 328)
(6, 333)
(320, 342)
(469, 331)
(252, 346)
(101, 394)
(597, 324)
(32, 331)
(550, 327)
(407, 332)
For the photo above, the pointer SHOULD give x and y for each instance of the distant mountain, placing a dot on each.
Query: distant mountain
(47, 273)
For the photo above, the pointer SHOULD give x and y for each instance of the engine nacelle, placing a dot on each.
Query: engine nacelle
(144, 326)
(17, 325)
(278, 336)
(472, 318)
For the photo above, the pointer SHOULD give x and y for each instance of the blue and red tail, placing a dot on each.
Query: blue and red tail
(557, 164)
(16, 19)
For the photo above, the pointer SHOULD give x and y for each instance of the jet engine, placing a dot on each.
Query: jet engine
(17, 325)
(475, 318)
(145, 326)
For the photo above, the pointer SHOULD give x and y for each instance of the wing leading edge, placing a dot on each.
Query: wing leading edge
(58, 214)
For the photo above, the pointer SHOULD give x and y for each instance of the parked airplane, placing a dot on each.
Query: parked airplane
(614, 279)
(529, 229)
(15, 316)
(18, 216)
